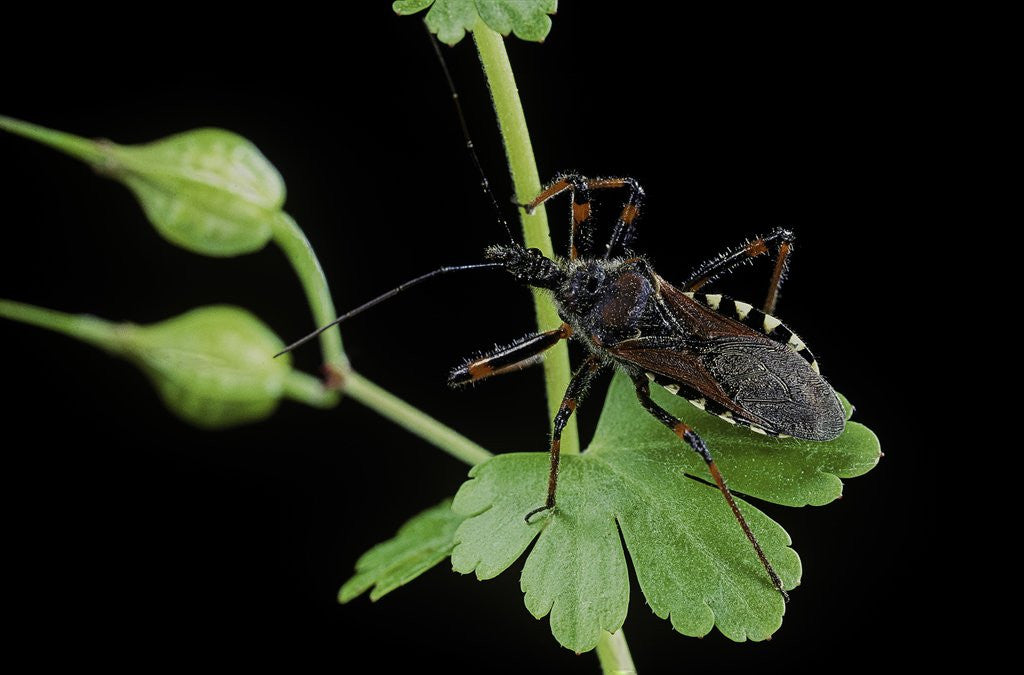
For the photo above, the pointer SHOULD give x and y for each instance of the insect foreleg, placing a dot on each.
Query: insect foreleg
(581, 236)
(781, 238)
(577, 386)
(686, 433)
(625, 227)
(522, 353)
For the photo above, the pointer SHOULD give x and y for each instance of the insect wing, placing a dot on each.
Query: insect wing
(775, 387)
(759, 381)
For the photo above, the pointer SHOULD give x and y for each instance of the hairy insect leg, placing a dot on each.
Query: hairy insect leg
(581, 235)
(580, 238)
(625, 227)
(522, 353)
(686, 433)
(781, 238)
(573, 393)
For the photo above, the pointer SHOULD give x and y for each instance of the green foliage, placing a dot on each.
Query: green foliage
(693, 562)
(423, 542)
(450, 19)
(213, 192)
(783, 471)
(691, 558)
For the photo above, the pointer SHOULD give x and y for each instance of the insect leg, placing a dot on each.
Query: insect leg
(522, 353)
(577, 386)
(686, 433)
(581, 236)
(781, 238)
(625, 227)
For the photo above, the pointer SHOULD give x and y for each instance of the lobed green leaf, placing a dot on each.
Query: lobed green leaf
(691, 558)
(451, 19)
(787, 471)
(423, 542)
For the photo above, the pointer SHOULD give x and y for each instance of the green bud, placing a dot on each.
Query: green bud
(210, 191)
(213, 366)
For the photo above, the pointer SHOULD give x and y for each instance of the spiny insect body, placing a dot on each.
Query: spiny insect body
(724, 356)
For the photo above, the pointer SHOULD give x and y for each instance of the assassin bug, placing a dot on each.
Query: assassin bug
(724, 356)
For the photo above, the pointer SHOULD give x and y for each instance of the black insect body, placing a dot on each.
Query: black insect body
(724, 356)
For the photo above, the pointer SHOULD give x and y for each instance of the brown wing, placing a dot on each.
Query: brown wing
(700, 322)
(682, 366)
(760, 381)
(685, 366)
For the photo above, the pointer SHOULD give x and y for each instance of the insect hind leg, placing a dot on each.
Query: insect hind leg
(687, 434)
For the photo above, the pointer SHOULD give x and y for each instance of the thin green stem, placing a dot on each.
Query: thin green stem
(419, 423)
(290, 237)
(612, 650)
(523, 167)
(614, 655)
(90, 329)
(83, 148)
(309, 390)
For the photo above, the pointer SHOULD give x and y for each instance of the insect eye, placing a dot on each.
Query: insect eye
(535, 252)
(593, 283)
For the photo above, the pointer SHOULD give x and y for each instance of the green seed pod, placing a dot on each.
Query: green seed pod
(213, 366)
(210, 191)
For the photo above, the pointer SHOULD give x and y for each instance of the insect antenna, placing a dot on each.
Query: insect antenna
(484, 183)
(385, 296)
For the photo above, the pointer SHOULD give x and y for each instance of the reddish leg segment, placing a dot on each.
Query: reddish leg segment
(520, 354)
(573, 393)
(581, 236)
(686, 433)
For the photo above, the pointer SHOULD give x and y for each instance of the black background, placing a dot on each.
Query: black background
(133, 539)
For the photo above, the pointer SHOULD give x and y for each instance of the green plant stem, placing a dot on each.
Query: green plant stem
(419, 423)
(309, 390)
(523, 167)
(90, 329)
(290, 237)
(614, 654)
(83, 148)
(612, 650)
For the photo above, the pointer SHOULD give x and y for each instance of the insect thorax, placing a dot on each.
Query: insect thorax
(607, 301)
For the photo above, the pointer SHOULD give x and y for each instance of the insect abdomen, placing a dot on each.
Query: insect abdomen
(752, 317)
